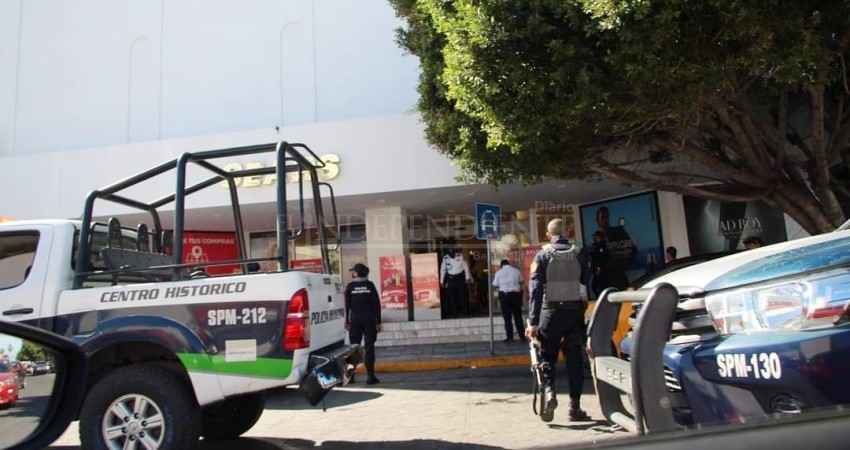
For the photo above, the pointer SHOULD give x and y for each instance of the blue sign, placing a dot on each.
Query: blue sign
(488, 221)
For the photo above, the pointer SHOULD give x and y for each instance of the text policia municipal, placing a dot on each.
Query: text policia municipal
(173, 292)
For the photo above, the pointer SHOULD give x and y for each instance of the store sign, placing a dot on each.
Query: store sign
(308, 265)
(201, 247)
(327, 173)
(715, 226)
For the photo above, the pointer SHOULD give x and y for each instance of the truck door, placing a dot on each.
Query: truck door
(24, 255)
(327, 310)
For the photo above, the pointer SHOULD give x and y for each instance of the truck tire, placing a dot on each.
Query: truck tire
(146, 393)
(231, 417)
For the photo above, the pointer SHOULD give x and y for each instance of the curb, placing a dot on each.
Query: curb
(447, 364)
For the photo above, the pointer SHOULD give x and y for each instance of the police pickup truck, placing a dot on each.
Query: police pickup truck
(757, 334)
(174, 353)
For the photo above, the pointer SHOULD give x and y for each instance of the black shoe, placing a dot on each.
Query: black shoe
(351, 381)
(577, 414)
(508, 340)
(548, 412)
(372, 379)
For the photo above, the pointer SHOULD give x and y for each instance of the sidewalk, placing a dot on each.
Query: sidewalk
(414, 358)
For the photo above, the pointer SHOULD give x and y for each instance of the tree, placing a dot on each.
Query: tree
(31, 352)
(723, 99)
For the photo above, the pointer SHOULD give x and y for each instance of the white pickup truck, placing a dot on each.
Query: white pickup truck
(173, 353)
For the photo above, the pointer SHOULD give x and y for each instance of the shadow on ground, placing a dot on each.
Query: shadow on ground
(303, 444)
(289, 399)
(297, 444)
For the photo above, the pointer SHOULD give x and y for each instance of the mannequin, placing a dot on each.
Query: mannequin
(454, 275)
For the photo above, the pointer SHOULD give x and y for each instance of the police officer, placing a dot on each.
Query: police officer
(363, 316)
(556, 312)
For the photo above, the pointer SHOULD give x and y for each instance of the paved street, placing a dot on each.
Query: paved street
(19, 420)
(486, 408)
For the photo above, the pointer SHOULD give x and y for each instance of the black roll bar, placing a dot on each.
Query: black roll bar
(289, 158)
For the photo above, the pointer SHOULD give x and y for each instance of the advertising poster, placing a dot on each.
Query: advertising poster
(308, 265)
(393, 282)
(425, 278)
(631, 227)
(200, 247)
(715, 226)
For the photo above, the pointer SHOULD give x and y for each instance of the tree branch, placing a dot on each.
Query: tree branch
(820, 175)
(755, 137)
(744, 146)
(669, 184)
(782, 134)
(701, 157)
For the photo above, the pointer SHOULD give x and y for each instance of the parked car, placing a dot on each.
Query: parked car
(19, 369)
(41, 368)
(8, 384)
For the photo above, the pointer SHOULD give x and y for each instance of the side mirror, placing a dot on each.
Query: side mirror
(36, 408)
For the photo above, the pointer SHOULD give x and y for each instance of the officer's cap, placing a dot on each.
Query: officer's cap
(360, 269)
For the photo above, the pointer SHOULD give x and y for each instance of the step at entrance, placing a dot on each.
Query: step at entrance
(472, 329)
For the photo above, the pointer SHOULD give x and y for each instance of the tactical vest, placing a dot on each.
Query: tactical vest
(563, 275)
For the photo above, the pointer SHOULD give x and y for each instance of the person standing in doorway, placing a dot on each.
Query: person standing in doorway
(363, 316)
(556, 313)
(508, 282)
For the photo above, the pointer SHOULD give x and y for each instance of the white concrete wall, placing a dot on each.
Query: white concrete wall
(674, 231)
(376, 155)
(386, 235)
(91, 73)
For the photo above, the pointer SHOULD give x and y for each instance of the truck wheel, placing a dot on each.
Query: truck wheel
(231, 417)
(139, 404)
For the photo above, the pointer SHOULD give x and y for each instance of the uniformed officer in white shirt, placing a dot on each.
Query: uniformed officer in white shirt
(508, 282)
(454, 277)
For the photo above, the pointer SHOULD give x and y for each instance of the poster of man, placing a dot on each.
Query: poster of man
(630, 232)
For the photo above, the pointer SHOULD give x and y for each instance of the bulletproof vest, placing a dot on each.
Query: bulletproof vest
(563, 275)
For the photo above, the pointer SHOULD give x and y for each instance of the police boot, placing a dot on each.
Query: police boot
(372, 379)
(551, 403)
(576, 413)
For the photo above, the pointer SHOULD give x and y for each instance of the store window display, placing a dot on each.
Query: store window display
(454, 278)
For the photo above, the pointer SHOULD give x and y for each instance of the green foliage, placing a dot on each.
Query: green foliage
(31, 352)
(521, 90)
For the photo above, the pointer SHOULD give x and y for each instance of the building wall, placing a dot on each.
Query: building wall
(376, 154)
(93, 73)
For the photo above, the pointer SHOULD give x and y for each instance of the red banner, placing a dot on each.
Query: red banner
(308, 265)
(200, 247)
(393, 282)
(425, 276)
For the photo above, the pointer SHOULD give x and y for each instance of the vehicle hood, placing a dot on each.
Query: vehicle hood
(765, 263)
(6, 376)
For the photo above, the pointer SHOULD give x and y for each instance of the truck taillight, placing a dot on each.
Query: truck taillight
(296, 328)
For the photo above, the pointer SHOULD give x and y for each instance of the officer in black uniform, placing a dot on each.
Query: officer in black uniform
(556, 315)
(363, 316)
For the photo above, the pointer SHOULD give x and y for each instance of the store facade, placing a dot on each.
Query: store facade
(90, 94)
